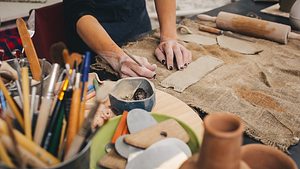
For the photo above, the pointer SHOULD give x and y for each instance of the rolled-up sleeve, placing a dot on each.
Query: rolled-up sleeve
(74, 9)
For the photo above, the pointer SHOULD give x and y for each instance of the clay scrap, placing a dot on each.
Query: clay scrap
(180, 80)
(241, 46)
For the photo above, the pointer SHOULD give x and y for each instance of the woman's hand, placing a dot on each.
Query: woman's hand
(169, 50)
(127, 67)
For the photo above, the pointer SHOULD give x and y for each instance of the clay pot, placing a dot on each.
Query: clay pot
(221, 144)
(259, 156)
(285, 5)
(295, 15)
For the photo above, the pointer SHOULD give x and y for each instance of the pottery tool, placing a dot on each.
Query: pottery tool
(13, 106)
(74, 114)
(83, 133)
(121, 126)
(32, 160)
(30, 146)
(4, 66)
(168, 153)
(133, 57)
(71, 59)
(26, 103)
(53, 122)
(32, 103)
(112, 160)
(185, 34)
(84, 84)
(252, 27)
(146, 137)
(139, 119)
(125, 149)
(46, 105)
(5, 157)
(29, 49)
(222, 32)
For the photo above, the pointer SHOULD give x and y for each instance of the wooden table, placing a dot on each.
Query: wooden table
(171, 106)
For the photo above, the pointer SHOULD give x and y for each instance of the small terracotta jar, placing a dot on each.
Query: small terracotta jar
(259, 156)
(221, 144)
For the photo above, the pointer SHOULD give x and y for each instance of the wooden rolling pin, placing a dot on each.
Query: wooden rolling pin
(252, 27)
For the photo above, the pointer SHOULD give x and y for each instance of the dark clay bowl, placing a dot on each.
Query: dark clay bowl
(122, 97)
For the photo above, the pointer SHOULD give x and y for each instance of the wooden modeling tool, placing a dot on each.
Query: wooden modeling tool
(71, 59)
(5, 157)
(32, 160)
(26, 103)
(125, 149)
(139, 119)
(121, 126)
(30, 146)
(74, 114)
(12, 104)
(46, 105)
(112, 160)
(29, 49)
(222, 32)
(162, 130)
(252, 27)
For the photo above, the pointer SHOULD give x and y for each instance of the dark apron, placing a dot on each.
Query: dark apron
(123, 20)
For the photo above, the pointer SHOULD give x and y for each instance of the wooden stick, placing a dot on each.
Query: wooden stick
(4, 156)
(32, 160)
(73, 118)
(11, 104)
(120, 127)
(26, 104)
(29, 49)
(30, 146)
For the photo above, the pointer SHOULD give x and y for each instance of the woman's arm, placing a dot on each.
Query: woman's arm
(169, 48)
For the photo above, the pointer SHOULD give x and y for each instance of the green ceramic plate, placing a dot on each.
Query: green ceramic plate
(105, 134)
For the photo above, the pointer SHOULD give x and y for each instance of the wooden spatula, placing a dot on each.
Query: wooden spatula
(30, 52)
(166, 129)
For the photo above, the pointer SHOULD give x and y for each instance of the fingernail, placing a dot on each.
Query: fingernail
(181, 67)
(163, 62)
(170, 67)
(185, 64)
(154, 76)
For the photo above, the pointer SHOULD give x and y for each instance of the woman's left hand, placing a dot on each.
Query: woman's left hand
(169, 50)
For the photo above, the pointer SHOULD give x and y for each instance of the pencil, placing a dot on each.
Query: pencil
(26, 104)
(11, 104)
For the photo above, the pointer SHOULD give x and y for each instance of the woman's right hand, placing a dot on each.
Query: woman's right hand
(127, 67)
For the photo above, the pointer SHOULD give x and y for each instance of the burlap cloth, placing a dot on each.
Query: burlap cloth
(263, 89)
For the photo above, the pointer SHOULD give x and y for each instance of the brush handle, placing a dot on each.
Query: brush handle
(30, 146)
(42, 120)
(204, 17)
(4, 156)
(28, 46)
(25, 154)
(26, 103)
(12, 104)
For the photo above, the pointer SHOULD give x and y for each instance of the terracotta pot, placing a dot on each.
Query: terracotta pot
(221, 144)
(259, 156)
(285, 5)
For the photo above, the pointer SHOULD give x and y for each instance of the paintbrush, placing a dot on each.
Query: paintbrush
(56, 52)
(5, 157)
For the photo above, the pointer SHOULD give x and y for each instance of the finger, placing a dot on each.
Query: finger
(126, 70)
(178, 56)
(124, 75)
(139, 70)
(187, 56)
(169, 55)
(160, 56)
(146, 63)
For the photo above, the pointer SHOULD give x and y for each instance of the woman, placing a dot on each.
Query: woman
(104, 25)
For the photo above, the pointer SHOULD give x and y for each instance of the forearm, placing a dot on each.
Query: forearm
(166, 11)
(95, 36)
